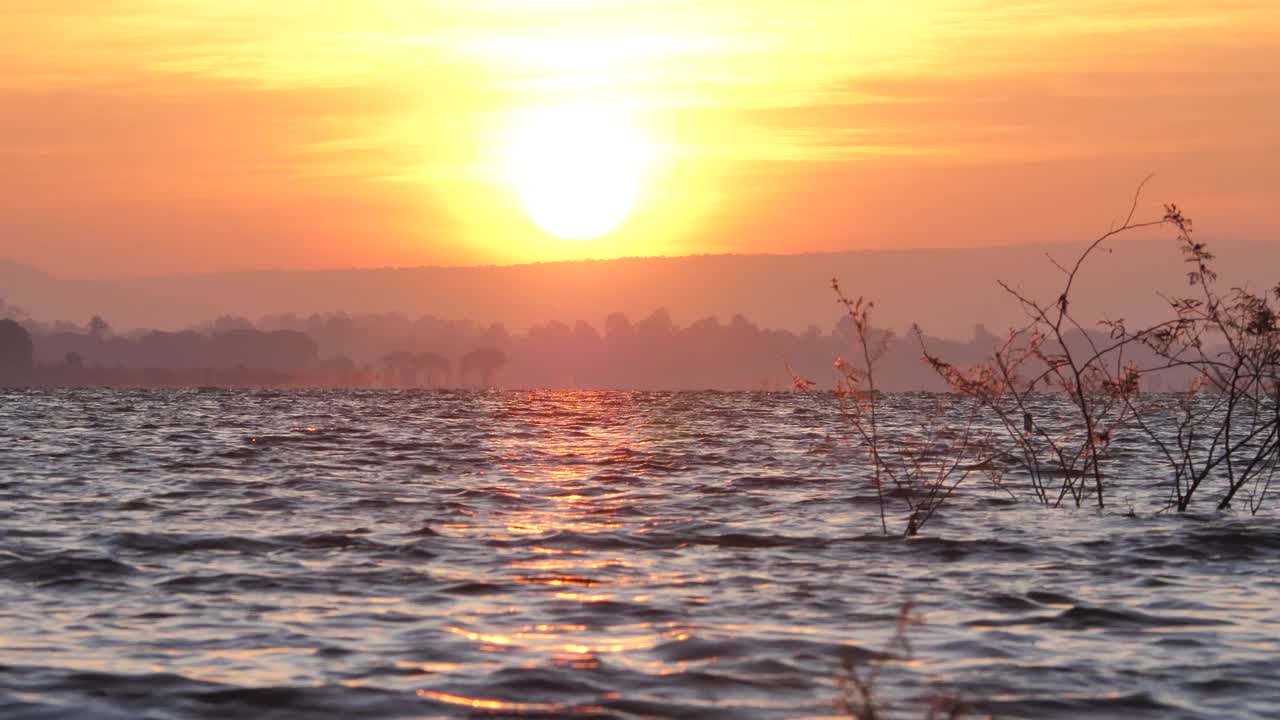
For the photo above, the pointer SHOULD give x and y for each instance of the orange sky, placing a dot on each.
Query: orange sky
(149, 136)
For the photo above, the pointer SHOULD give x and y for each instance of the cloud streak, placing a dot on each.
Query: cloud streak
(382, 118)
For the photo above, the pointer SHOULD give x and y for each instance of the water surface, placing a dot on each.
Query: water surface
(555, 554)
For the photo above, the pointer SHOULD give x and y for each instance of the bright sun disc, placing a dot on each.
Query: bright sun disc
(577, 170)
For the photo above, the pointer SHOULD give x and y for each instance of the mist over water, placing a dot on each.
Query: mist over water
(945, 291)
(596, 554)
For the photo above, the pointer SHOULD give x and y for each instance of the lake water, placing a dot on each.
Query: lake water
(576, 554)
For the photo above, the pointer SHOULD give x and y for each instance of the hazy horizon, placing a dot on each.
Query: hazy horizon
(152, 138)
(946, 291)
(168, 164)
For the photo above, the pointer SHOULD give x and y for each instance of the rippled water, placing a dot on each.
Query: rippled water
(550, 554)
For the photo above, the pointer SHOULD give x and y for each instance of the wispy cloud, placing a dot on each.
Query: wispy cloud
(293, 104)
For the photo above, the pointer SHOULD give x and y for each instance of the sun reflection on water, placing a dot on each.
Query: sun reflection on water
(560, 503)
(541, 554)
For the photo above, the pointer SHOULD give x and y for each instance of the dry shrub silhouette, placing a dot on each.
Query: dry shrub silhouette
(1054, 353)
(1229, 415)
(915, 468)
(484, 363)
(16, 350)
(858, 679)
(1224, 345)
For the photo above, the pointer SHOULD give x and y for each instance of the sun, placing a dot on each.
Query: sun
(577, 169)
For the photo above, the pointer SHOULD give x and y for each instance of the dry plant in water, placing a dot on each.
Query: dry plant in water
(1225, 347)
(1222, 345)
(1228, 342)
(915, 468)
(858, 680)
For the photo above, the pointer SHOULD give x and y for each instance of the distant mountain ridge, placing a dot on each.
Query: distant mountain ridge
(947, 291)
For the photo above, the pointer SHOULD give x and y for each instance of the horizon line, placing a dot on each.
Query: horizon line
(586, 260)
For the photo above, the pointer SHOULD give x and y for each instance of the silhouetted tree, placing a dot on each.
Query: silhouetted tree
(617, 328)
(228, 323)
(277, 350)
(655, 328)
(400, 368)
(434, 369)
(484, 362)
(16, 351)
(98, 328)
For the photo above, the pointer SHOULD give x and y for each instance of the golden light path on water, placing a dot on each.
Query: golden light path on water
(568, 485)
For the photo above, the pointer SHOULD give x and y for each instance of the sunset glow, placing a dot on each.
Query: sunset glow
(577, 170)
(752, 359)
(142, 136)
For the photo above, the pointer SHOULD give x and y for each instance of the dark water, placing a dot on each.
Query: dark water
(618, 555)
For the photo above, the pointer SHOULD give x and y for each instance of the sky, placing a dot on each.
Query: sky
(142, 137)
